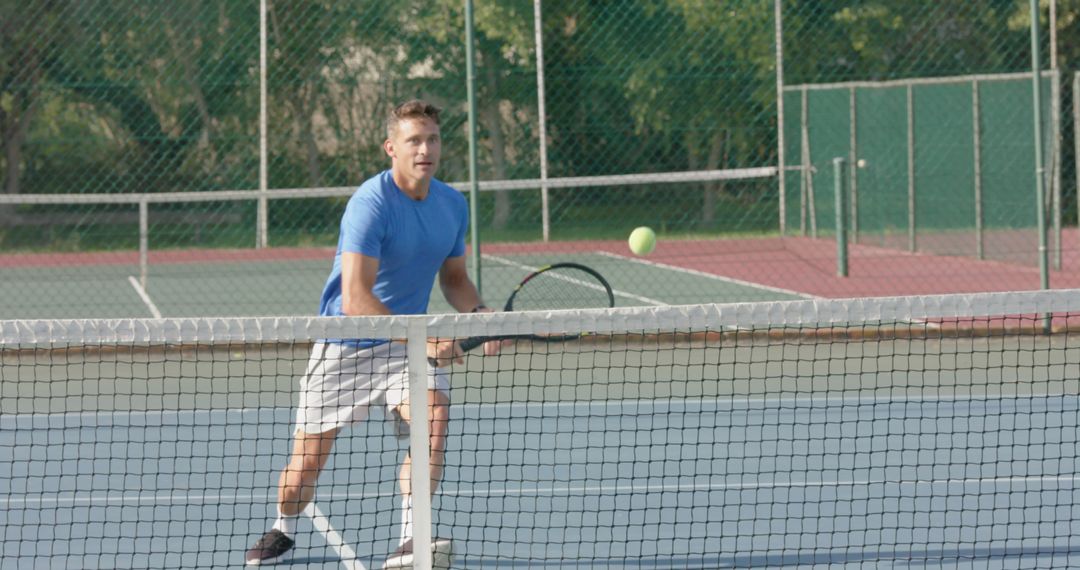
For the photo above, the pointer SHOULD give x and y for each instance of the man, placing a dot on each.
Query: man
(400, 229)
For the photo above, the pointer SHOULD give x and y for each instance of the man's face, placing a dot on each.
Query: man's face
(415, 148)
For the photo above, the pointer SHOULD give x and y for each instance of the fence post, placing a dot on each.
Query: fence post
(262, 208)
(1055, 163)
(781, 165)
(976, 135)
(144, 241)
(853, 160)
(912, 244)
(841, 229)
(809, 207)
(545, 211)
(1040, 169)
(1076, 139)
(474, 174)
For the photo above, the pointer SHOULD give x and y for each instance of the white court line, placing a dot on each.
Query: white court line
(752, 486)
(732, 404)
(733, 281)
(172, 498)
(145, 297)
(617, 292)
(333, 538)
(489, 492)
(712, 276)
(195, 413)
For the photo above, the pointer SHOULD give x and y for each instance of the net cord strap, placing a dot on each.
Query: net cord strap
(418, 444)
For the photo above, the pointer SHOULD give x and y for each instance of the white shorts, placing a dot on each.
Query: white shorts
(342, 381)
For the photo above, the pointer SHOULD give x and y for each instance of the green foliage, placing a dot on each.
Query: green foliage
(132, 96)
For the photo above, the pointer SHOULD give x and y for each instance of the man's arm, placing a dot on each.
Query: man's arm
(461, 293)
(457, 287)
(357, 282)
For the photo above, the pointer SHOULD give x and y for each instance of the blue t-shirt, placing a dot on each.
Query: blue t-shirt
(410, 238)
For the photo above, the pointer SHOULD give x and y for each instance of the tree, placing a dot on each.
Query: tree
(29, 39)
(506, 92)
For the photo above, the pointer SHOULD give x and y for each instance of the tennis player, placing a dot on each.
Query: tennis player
(400, 229)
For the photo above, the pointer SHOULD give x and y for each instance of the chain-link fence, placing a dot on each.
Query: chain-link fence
(591, 118)
(943, 147)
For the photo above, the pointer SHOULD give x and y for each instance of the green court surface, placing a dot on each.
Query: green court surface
(293, 287)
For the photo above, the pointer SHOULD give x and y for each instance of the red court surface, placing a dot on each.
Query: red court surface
(798, 264)
(809, 266)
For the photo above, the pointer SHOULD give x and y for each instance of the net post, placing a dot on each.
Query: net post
(841, 230)
(419, 440)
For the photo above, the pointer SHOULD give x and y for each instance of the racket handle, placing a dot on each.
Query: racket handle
(465, 345)
(473, 342)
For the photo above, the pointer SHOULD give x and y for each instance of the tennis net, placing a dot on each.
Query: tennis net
(832, 432)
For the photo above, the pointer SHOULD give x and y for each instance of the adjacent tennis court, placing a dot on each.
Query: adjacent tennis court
(282, 285)
(288, 281)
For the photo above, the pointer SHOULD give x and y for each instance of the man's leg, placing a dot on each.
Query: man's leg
(296, 488)
(438, 425)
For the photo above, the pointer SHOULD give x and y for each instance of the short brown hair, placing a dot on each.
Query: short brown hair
(413, 109)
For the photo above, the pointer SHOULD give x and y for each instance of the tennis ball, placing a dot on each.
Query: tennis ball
(642, 241)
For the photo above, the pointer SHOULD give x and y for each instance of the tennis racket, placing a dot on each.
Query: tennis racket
(553, 287)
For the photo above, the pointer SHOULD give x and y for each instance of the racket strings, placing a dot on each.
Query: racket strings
(562, 288)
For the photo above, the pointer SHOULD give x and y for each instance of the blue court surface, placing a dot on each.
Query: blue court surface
(982, 482)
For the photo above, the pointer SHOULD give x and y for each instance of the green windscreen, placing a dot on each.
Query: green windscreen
(829, 124)
(943, 166)
(882, 181)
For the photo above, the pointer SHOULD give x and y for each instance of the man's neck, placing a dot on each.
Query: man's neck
(415, 189)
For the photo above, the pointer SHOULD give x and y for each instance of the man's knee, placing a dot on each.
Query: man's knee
(311, 451)
(438, 402)
(438, 413)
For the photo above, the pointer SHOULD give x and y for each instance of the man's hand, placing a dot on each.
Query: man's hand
(493, 347)
(443, 352)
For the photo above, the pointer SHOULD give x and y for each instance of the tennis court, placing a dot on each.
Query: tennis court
(856, 344)
(288, 281)
(248, 283)
(664, 446)
(156, 501)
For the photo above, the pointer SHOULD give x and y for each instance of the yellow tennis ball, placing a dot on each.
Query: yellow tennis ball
(642, 241)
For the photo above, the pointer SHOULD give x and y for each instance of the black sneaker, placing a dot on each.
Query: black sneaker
(272, 548)
(442, 552)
